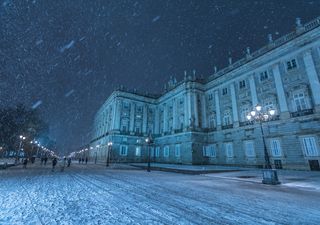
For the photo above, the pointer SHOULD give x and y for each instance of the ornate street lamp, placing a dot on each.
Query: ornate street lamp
(258, 115)
(109, 151)
(22, 138)
(149, 141)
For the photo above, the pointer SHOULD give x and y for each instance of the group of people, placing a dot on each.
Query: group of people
(83, 160)
(26, 160)
(64, 162)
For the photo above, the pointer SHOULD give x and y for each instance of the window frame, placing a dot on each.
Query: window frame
(264, 76)
(157, 151)
(242, 84)
(138, 151)
(125, 148)
(278, 148)
(227, 152)
(290, 61)
(315, 152)
(304, 98)
(225, 91)
(246, 149)
(166, 151)
(177, 149)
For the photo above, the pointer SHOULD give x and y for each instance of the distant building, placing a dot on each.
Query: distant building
(203, 121)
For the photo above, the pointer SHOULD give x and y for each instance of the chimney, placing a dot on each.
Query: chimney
(270, 39)
(299, 27)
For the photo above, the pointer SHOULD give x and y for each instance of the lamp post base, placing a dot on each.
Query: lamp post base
(270, 176)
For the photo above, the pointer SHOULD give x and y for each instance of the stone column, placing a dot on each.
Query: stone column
(117, 115)
(234, 105)
(189, 108)
(195, 109)
(253, 91)
(204, 111)
(132, 116)
(313, 78)
(165, 118)
(218, 113)
(186, 114)
(157, 120)
(174, 114)
(280, 92)
(145, 119)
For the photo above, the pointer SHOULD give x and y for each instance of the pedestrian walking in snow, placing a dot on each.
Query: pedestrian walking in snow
(42, 160)
(86, 160)
(79, 160)
(54, 163)
(69, 162)
(45, 160)
(25, 162)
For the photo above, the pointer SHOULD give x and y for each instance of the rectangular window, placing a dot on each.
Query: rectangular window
(299, 101)
(310, 146)
(210, 96)
(157, 151)
(177, 150)
(209, 151)
(126, 105)
(137, 130)
(229, 150)
(138, 151)
(264, 76)
(242, 84)
(166, 151)
(123, 150)
(291, 64)
(224, 91)
(249, 148)
(275, 147)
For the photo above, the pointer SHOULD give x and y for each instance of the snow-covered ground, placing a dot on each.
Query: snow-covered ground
(92, 194)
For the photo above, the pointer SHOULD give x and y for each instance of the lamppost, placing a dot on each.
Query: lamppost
(257, 115)
(149, 141)
(22, 138)
(109, 151)
(95, 160)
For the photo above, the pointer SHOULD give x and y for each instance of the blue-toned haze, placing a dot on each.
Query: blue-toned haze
(64, 58)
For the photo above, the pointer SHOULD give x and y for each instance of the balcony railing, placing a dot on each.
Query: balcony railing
(301, 113)
(274, 44)
(227, 126)
(245, 123)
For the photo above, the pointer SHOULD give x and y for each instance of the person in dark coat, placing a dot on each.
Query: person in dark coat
(45, 160)
(79, 160)
(54, 163)
(25, 162)
(69, 162)
(86, 160)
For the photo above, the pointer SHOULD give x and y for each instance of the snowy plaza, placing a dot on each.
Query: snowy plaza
(92, 194)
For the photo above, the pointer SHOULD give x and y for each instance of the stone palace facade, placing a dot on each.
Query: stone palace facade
(203, 121)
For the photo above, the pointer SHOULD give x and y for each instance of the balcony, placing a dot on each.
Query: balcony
(229, 126)
(245, 123)
(301, 113)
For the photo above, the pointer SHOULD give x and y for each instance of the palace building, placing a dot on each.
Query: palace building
(204, 120)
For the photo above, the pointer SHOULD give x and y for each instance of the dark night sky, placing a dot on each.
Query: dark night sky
(65, 57)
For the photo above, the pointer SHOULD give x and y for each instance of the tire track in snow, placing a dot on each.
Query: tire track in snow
(143, 208)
